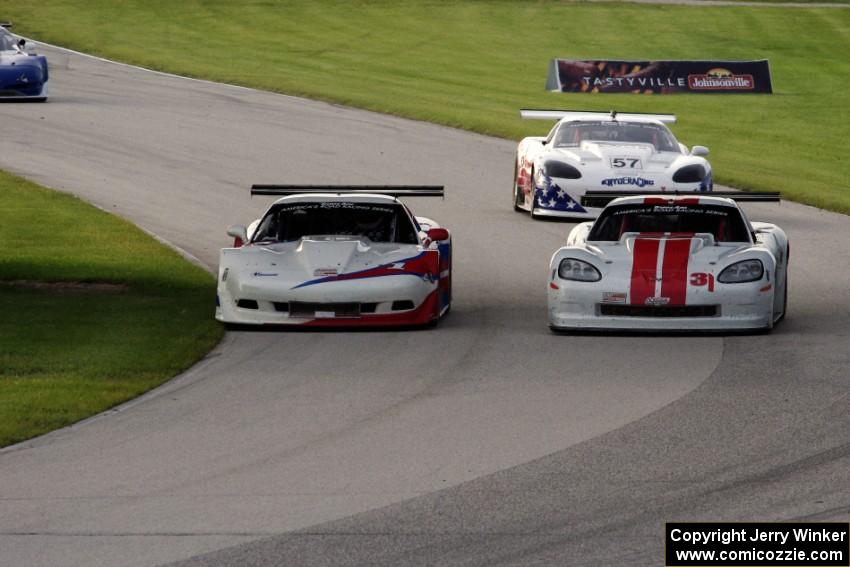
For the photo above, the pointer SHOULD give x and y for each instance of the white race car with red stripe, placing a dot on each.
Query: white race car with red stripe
(353, 258)
(670, 263)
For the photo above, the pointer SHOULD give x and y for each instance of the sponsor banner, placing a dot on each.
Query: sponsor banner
(759, 544)
(659, 77)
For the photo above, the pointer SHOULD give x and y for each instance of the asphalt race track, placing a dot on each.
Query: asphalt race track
(485, 441)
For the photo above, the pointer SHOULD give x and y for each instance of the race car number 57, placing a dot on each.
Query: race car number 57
(631, 163)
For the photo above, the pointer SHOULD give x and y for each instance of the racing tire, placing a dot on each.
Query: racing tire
(449, 291)
(441, 316)
(435, 318)
(785, 291)
(516, 191)
(533, 190)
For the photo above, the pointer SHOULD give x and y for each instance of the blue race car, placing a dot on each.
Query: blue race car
(23, 74)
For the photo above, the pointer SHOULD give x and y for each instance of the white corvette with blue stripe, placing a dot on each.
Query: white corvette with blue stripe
(594, 151)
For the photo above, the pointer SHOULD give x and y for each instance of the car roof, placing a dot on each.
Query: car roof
(698, 199)
(338, 197)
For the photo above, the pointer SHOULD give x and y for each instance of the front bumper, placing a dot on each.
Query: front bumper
(382, 301)
(16, 94)
(738, 307)
(562, 197)
(589, 213)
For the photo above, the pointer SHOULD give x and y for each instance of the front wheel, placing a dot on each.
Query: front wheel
(449, 288)
(517, 192)
(785, 291)
(533, 191)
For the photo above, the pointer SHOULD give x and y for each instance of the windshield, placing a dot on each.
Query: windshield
(377, 222)
(7, 42)
(725, 223)
(574, 133)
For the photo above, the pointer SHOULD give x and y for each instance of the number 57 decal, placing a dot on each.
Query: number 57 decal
(699, 279)
(632, 163)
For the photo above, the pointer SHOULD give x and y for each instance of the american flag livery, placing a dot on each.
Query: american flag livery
(589, 152)
(554, 197)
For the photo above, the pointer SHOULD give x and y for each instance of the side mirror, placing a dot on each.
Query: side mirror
(239, 234)
(700, 151)
(27, 47)
(438, 234)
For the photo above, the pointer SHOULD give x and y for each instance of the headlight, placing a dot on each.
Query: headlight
(740, 272)
(578, 270)
(540, 179)
(559, 169)
(689, 174)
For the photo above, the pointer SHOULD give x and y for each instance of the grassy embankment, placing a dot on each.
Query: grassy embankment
(783, 2)
(473, 64)
(69, 351)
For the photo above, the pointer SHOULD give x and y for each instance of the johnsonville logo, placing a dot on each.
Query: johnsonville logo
(721, 79)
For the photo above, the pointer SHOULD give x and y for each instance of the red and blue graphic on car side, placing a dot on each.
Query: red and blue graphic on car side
(424, 265)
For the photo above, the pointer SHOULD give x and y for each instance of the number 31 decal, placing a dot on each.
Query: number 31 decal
(699, 279)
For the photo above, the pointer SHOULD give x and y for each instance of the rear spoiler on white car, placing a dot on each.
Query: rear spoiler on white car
(540, 114)
(602, 198)
(6, 25)
(391, 190)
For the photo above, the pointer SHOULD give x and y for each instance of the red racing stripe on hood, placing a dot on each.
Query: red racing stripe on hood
(674, 270)
(644, 265)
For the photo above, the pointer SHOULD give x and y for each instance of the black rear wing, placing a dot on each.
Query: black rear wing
(391, 190)
(602, 198)
(547, 114)
(6, 25)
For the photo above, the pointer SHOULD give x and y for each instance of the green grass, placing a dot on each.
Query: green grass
(473, 64)
(66, 354)
(789, 1)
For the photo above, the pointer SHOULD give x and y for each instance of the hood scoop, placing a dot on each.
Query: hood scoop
(699, 240)
(328, 255)
(648, 156)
